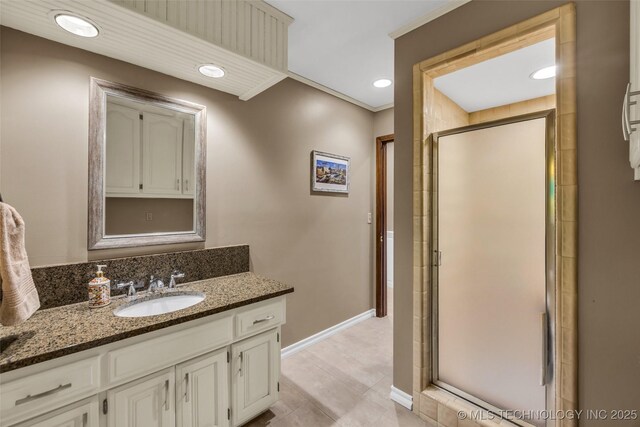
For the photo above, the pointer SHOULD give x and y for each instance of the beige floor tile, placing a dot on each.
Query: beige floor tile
(305, 416)
(342, 381)
(401, 417)
(325, 391)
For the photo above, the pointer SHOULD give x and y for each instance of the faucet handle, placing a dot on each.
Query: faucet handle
(175, 275)
(131, 292)
(124, 284)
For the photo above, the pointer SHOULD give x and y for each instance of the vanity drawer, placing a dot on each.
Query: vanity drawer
(259, 317)
(41, 392)
(137, 360)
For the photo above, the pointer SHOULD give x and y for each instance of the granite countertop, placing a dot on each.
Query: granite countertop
(60, 331)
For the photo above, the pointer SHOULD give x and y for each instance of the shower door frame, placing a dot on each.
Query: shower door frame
(547, 347)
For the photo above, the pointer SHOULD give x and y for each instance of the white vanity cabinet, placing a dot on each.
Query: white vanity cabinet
(81, 414)
(219, 371)
(256, 375)
(202, 391)
(147, 402)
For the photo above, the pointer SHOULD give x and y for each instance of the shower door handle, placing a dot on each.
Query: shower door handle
(545, 348)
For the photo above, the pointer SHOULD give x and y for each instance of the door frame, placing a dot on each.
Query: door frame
(381, 223)
(561, 24)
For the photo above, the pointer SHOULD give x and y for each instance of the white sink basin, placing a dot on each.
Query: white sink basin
(156, 304)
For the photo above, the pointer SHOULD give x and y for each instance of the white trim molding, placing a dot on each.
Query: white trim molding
(436, 13)
(401, 398)
(323, 335)
(337, 94)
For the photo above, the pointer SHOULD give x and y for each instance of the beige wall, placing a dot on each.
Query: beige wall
(609, 199)
(257, 174)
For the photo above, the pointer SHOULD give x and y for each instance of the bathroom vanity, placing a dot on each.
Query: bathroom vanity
(216, 363)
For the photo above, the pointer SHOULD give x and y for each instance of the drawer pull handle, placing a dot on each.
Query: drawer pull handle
(166, 395)
(186, 387)
(264, 319)
(30, 398)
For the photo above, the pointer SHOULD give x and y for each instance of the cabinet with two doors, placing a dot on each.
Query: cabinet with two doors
(223, 387)
(149, 154)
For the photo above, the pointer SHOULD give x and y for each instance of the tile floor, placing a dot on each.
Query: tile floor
(344, 380)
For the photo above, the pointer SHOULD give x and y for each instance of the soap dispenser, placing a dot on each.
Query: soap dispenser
(99, 290)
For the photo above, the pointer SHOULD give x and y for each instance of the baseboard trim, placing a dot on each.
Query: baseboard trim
(401, 398)
(323, 335)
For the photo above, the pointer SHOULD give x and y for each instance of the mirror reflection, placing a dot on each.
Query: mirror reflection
(149, 169)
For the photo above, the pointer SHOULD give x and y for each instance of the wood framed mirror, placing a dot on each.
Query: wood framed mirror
(147, 177)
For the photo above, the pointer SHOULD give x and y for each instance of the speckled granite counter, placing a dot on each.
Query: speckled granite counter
(72, 328)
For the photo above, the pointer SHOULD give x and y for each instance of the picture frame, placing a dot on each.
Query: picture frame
(330, 173)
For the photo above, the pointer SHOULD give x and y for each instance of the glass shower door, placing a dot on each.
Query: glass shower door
(490, 294)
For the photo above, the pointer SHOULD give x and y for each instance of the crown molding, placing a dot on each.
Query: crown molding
(436, 13)
(337, 94)
(383, 107)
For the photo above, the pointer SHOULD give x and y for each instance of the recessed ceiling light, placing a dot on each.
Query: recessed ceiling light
(382, 83)
(544, 73)
(76, 25)
(211, 70)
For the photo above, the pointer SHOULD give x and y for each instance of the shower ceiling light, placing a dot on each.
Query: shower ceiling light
(544, 73)
(76, 25)
(382, 83)
(211, 70)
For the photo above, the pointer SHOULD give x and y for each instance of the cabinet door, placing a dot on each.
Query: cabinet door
(122, 150)
(202, 392)
(161, 155)
(256, 371)
(81, 414)
(189, 158)
(148, 402)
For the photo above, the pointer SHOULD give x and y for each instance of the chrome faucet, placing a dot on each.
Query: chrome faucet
(131, 292)
(175, 275)
(155, 284)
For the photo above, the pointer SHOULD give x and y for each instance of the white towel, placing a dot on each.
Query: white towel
(19, 295)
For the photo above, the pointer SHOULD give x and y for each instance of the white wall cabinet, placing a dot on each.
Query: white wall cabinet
(219, 371)
(149, 154)
(148, 402)
(255, 375)
(202, 391)
(123, 150)
(161, 155)
(189, 159)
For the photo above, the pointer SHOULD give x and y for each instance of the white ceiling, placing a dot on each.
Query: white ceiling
(345, 44)
(132, 37)
(501, 80)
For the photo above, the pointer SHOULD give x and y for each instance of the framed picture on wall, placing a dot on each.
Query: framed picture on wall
(330, 172)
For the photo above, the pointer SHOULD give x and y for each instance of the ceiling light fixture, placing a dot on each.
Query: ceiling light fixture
(211, 70)
(382, 83)
(76, 25)
(544, 73)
